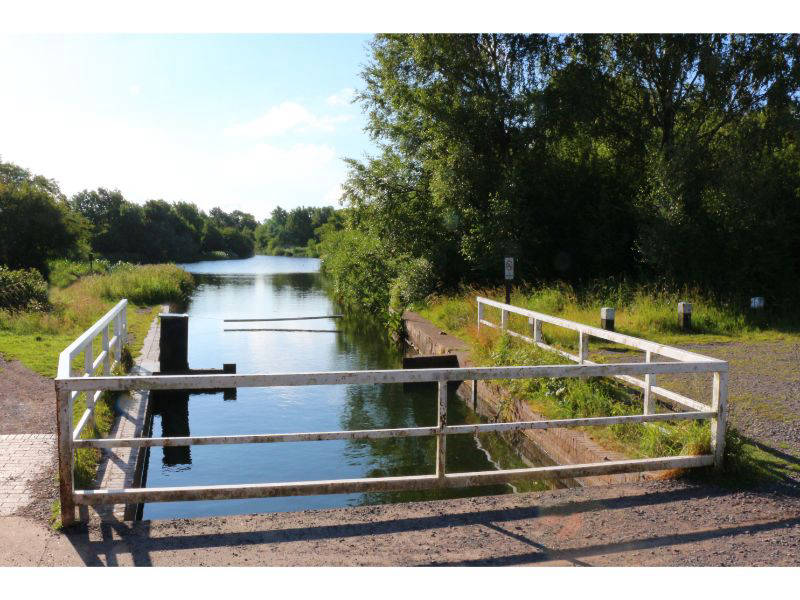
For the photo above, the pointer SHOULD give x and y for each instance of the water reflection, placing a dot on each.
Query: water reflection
(267, 287)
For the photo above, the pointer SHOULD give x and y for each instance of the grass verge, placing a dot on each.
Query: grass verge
(556, 398)
(36, 338)
(640, 312)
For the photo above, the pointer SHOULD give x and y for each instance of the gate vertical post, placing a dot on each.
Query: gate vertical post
(719, 404)
(107, 350)
(535, 326)
(649, 380)
(88, 367)
(441, 438)
(480, 314)
(65, 457)
(583, 347)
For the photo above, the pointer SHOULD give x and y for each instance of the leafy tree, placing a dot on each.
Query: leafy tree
(585, 156)
(36, 224)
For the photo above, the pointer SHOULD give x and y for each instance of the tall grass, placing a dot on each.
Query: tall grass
(646, 312)
(36, 337)
(63, 271)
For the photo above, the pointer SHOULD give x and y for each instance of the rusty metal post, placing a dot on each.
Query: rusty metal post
(441, 437)
(65, 457)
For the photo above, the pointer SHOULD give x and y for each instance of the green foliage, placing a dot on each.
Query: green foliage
(358, 270)
(160, 231)
(297, 232)
(668, 159)
(413, 282)
(36, 223)
(22, 290)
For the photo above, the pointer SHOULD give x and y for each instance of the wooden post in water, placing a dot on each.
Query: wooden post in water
(174, 343)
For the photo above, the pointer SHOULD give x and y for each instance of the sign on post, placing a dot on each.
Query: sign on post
(509, 268)
(509, 264)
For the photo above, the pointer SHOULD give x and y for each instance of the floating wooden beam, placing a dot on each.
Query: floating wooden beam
(282, 319)
(307, 330)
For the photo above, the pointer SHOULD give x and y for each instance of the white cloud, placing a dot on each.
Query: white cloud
(341, 98)
(283, 118)
(332, 196)
(84, 150)
(135, 89)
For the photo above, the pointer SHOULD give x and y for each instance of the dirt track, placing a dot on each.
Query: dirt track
(661, 523)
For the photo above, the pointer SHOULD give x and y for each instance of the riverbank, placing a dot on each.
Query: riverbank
(649, 524)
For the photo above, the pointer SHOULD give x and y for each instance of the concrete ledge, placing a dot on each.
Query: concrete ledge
(124, 467)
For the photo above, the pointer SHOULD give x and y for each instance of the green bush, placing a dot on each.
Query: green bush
(414, 281)
(22, 290)
(358, 269)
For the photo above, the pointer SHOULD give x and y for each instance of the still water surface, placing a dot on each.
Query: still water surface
(267, 286)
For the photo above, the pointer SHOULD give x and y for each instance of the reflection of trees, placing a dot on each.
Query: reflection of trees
(224, 281)
(300, 284)
(363, 337)
(390, 406)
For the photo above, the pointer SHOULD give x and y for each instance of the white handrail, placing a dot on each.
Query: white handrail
(611, 336)
(88, 336)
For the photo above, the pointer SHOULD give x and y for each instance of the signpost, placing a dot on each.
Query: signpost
(509, 264)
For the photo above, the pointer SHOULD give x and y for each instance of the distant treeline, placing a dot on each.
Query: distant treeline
(670, 159)
(298, 231)
(38, 223)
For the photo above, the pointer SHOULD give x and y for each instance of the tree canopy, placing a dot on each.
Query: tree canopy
(646, 157)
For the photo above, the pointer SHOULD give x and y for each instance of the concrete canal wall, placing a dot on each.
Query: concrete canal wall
(124, 467)
(535, 447)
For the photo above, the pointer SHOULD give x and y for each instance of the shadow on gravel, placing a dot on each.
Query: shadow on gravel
(571, 554)
(140, 539)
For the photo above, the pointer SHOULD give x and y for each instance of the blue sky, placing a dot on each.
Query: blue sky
(243, 122)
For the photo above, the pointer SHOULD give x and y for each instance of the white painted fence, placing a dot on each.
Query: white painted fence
(66, 386)
(112, 329)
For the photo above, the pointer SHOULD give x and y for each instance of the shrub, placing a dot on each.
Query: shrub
(22, 290)
(414, 281)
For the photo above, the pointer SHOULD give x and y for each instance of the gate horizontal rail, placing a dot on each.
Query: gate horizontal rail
(687, 362)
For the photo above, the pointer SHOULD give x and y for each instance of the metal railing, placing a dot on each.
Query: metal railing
(66, 386)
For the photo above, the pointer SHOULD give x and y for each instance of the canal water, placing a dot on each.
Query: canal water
(267, 286)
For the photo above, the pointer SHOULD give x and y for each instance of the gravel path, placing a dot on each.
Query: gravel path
(654, 524)
(27, 400)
